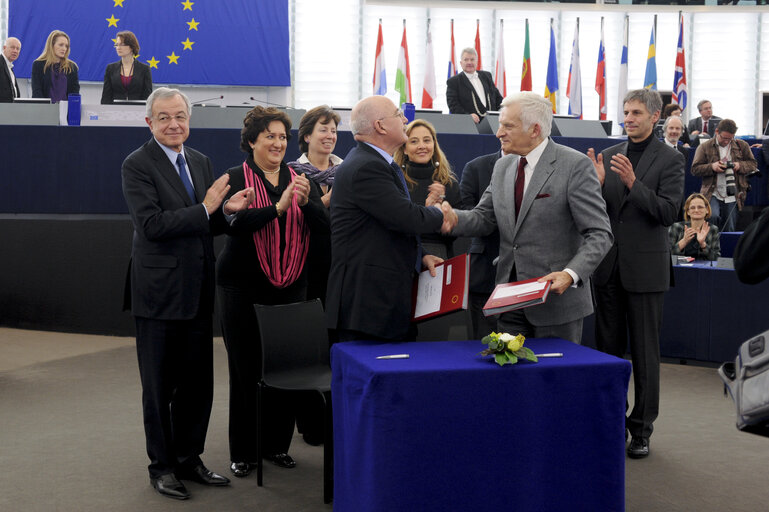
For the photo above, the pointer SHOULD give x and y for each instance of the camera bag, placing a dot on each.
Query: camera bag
(747, 381)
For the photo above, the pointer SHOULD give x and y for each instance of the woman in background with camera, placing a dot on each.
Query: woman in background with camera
(724, 164)
(694, 237)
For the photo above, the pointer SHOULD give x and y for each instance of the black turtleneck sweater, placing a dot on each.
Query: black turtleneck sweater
(636, 149)
(423, 175)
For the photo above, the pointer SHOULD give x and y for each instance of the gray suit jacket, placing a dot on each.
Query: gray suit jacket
(562, 223)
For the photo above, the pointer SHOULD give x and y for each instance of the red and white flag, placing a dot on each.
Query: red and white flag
(478, 42)
(429, 91)
(499, 70)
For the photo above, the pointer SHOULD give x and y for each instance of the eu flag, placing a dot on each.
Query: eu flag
(237, 42)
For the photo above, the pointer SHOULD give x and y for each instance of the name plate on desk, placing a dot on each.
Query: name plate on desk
(112, 115)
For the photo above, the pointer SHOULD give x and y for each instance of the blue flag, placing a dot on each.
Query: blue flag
(237, 42)
(650, 79)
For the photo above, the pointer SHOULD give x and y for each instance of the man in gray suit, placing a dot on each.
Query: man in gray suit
(545, 200)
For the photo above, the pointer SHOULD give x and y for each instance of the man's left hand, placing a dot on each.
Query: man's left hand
(620, 164)
(429, 261)
(561, 281)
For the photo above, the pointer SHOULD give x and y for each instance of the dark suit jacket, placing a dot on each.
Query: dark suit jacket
(696, 125)
(173, 238)
(476, 177)
(374, 228)
(462, 98)
(6, 84)
(139, 88)
(750, 261)
(640, 218)
(41, 80)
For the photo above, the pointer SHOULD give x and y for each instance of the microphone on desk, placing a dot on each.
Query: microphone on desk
(269, 103)
(200, 103)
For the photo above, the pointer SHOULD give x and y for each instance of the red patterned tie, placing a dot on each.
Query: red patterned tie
(704, 126)
(520, 179)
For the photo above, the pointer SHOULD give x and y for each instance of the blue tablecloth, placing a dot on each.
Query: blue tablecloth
(448, 429)
(728, 241)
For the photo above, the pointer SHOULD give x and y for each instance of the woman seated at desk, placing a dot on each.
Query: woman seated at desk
(53, 74)
(694, 237)
(430, 179)
(126, 79)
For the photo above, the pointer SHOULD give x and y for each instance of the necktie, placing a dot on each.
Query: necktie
(398, 172)
(704, 126)
(183, 175)
(520, 179)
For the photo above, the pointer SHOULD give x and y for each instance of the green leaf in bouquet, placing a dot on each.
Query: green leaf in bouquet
(486, 339)
(501, 359)
(511, 357)
(528, 354)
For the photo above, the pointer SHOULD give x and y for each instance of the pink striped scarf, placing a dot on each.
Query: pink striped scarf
(281, 272)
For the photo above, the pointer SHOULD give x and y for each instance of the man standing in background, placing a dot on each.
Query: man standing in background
(642, 182)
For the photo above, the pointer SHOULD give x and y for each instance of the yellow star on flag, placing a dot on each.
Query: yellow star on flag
(153, 63)
(112, 21)
(193, 24)
(187, 5)
(173, 58)
(188, 44)
(114, 40)
(118, 3)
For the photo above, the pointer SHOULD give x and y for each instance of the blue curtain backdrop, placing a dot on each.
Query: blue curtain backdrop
(232, 42)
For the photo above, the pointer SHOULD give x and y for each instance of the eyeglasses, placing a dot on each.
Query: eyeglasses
(165, 118)
(398, 113)
(697, 207)
(119, 45)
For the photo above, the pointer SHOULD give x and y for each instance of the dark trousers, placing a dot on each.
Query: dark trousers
(244, 355)
(621, 316)
(176, 369)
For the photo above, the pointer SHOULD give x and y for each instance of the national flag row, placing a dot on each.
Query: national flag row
(574, 83)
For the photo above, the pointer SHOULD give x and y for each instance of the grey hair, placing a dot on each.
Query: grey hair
(162, 93)
(667, 122)
(702, 102)
(651, 99)
(469, 50)
(535, 109)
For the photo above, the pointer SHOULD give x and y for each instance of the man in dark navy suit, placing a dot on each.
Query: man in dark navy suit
(375, 228)
(175, 205)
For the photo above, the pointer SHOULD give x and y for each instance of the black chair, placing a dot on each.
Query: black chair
(295, 357)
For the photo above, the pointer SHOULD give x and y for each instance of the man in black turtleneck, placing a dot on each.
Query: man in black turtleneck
(642, 183)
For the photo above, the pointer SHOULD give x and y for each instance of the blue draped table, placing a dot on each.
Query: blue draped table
(448, 429)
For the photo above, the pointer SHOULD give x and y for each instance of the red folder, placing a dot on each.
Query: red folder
(521, 294)
(433, 297)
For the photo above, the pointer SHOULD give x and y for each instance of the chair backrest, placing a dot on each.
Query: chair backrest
(294, 336)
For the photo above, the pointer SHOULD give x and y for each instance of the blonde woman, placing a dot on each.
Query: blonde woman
(430, 179)
(53, 74)
(694, 236)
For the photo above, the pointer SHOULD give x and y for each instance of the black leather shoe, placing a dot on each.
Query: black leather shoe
(283, 460)
(639, 448)
(168, 485)
(202, 475)
(241, 469)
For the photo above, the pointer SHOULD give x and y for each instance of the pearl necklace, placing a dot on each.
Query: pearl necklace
(271, 172)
